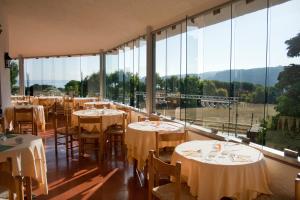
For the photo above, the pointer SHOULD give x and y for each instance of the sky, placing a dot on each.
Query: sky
(208, 48)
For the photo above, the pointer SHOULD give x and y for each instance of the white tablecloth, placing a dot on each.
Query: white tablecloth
(214, 169)
(81, 100)
(38, 115)
(109, 117)
(96, 103)
(28, 158)
(48, 100)
(140, 138)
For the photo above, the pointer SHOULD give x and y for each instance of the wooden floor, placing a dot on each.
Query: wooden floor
(113, 179)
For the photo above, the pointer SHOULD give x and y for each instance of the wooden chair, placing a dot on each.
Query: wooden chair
(115, 134)
(69, 103)
(297, 187)
(95, 134)
(150, 118)
(165, 153)
(23, 120)
(99, 106)
(66, 132)
(47, 107)
(7, 181)
(128, 111)
(171, 191)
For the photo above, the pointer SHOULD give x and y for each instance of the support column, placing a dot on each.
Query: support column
(21, 76)
(102, 75)
(150, 78)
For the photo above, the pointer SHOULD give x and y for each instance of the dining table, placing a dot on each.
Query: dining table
(140, 138)
(27, 156)
(96, 103)
(109, 117)
(38, 115)
(215, 169)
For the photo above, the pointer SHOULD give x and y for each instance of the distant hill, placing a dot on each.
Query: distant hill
(255, 76)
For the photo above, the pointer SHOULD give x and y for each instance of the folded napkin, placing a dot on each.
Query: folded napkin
(240, 158)
(5, 147)
(192, 153)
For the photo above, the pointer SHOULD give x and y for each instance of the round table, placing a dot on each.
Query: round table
(140, 138)
(110, 117)
(79, 101)
(96, 103)
(28, 158)
(47, 100)
(214, 169)
(38, 115)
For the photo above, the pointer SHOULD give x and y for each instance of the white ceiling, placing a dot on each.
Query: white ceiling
(62, 27)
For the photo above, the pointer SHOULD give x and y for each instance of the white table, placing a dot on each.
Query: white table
(214, 169)
(96, 103)
(38, 115)
(81, 100)
(28, 158)
(109, 117)
(140, 138)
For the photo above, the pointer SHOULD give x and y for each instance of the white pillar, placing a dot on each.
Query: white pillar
(21, 76)
(102, 75)
(4, 72)
(150, 84)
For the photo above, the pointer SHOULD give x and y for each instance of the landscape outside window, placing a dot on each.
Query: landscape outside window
(242, 71)
(57, 76)
(125, 74)
(14, 77)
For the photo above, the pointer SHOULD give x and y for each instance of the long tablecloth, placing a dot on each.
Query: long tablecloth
(28, 158)
(109, 117)
(140, 138)
(214, 169)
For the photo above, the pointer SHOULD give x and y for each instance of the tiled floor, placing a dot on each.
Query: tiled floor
(113, 179)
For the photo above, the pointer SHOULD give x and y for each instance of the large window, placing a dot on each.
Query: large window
(76, 76)
(125, 73)
(241, 71)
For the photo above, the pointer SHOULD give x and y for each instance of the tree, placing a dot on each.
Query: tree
(289, 82)
(73, 86)
(14, 73)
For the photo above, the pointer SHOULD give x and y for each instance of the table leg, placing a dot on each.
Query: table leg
(19, 188)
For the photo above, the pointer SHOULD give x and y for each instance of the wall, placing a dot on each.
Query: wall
(4, 73)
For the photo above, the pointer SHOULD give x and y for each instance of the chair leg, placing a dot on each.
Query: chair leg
(67, 146)
(55, 138)
(71, 140)
(28, 186)
(19, 188)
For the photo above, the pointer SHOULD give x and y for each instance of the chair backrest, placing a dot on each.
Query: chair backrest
(99, 106)
(178, 137)
(128, 111)
(68, 103)
(158, 168)
(150, 118)
(297, 187)
(23, 115)
(90, 120)
(43, 102)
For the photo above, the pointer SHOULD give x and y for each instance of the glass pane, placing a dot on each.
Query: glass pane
(14, 77)
(90, 68)
(283, 102)
(121, 75)
(160, 67)
(216, 69)
(248, 70)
